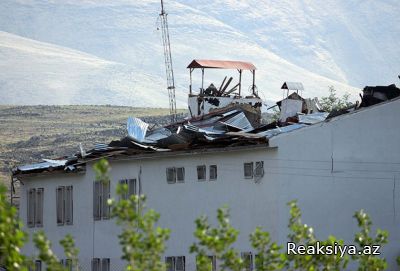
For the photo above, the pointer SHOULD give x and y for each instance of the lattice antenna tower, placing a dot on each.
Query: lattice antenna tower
(168, 63)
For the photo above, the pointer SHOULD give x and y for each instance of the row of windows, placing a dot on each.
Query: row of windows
(173, 263)
(101, 264)
(66, 263)
(64, 206)
(251, 170)
(64, 202)
(101, 193)
(178, 263)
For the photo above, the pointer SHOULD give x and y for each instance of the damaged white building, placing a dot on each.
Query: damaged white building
(332, 167)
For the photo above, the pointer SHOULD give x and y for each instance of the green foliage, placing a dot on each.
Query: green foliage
(70, 251)
(363, 238)
(46, 254)
(268, 255)
(217, 242)
(102, 169)
(333, 102)
(142, 242)
(303, 234)
(12, 237)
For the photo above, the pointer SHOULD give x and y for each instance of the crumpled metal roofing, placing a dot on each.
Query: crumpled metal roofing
(281, 130)
(239, 121)
(313, 118)
(221, 64)
(137, 129)
(47, 163)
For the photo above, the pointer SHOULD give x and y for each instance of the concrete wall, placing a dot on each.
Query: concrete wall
(333, 169)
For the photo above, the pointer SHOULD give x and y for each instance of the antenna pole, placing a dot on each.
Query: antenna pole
(168, 63)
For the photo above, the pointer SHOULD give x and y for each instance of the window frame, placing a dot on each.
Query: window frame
(248, 255)
(174, 263)
(38, 265)
(259, 170)
(213, 178)
(201, 168)
(101, 194)
(248, 166)
(182, 171)
(60, 205)
(171, 175)
(69, 205)
(35, 205)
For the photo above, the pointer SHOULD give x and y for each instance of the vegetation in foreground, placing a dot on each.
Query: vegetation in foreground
(143, 242)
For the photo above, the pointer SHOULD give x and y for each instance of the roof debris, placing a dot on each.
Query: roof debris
(230, 126)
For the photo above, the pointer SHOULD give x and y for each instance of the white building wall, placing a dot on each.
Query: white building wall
(333, 169)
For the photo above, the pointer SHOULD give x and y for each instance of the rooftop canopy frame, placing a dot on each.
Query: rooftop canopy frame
(222, 64)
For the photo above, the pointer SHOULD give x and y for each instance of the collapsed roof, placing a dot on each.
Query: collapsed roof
(234, 126)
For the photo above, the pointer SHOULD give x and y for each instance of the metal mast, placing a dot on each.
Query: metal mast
(168, 63)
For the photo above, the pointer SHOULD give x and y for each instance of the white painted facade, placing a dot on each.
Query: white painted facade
(333, 168)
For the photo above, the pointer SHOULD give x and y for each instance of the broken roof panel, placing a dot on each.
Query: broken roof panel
(239, 121)
(47, 163)
(280, 130)
(137, 129)
(292, 86)
(221, 64)
(312, 118)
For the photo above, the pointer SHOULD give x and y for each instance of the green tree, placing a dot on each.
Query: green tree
(216, 242)
(12, 237)
(300, 233)
(333, 102)
(363, 239)
(47, 256)
(142, 242)
(268, 254)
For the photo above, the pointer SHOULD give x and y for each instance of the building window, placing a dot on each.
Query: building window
(131, 183)
(213, 172)
(175, 174)
(212, 261)
(248, 170)
(100, 264)
(175, 263)
(101, 193)
(105, 264)
(37, 267)
(259, 170)
(65, 204)
(201, 173)
(171, 175)
(35, 207)
(180, 174)
(247, 258)
(67, 264)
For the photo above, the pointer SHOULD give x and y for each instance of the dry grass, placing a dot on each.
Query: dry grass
(30, 133)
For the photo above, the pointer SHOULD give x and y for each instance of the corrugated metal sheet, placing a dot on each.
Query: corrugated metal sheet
(313, 118)
(281, 130)
(239, 121)
(43, 165)
(221, 64)
(137, 129)
(292, 86)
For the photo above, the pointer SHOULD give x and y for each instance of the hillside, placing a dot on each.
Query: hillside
(30, 133)
(119, 55)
